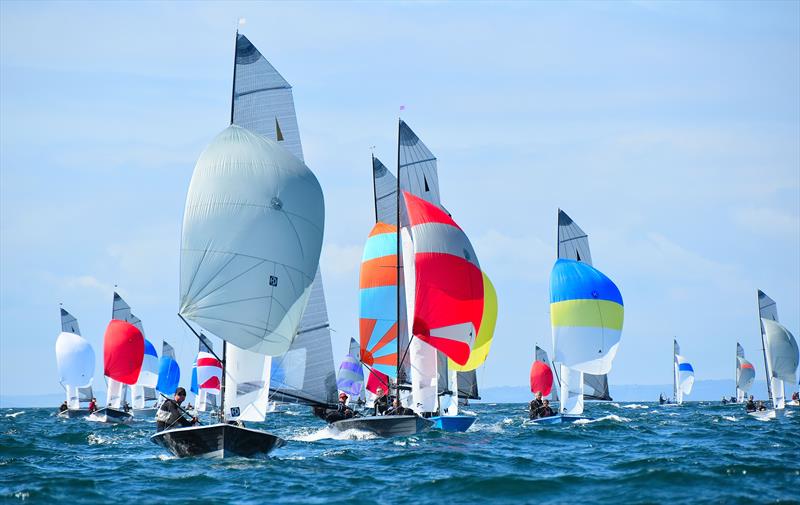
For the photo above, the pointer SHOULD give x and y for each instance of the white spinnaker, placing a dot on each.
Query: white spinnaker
(571, 384)
(76, 360)
(685, 378)
(247, 376)
(252, 235)
(745, 375)
(782, 353)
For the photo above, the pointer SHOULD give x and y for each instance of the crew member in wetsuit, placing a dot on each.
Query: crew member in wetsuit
(63, 407)
(93, 405)
(398, 409)
(545, 410)
(661, 399)
(342, 410)
(750, 406)
(170, 415)
(381, 404)
(535, 405)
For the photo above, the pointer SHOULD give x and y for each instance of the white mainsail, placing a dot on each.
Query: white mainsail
(263, 103)
(76, 361)
(252, 236)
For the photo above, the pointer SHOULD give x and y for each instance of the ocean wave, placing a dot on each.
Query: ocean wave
(15, 414)
(635, 406)
(610, 417)
(100, 440)
(332, 433)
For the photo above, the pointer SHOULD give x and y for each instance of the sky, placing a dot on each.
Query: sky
(670, 132)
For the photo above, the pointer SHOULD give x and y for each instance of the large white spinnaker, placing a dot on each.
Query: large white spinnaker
(252, 236)
(76, 360)
(782, 354)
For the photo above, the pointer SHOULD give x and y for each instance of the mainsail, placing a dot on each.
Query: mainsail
(782, 355)
(263, 103)
(76, 360)
(573, 243)
(745, 374)
(541, 356)
(252, 236)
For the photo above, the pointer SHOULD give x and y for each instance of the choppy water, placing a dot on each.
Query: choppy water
(632, 453)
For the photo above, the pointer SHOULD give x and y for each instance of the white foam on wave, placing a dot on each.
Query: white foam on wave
(635, 406)
(610, 417)
(730, 418)
(469, 412)
(614, 404)
(100, 440)
(15, 414)
(166, 457)
(334, 434)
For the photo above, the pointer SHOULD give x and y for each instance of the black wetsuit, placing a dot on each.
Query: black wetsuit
(342, 412)
(63, 407)
(546, 412)
(170, 416)
(534, 407)
(381, 405)
(750, 406)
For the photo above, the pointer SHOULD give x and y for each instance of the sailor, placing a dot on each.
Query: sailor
(126, 407)
(724, 400)
(93, 405)
(398, 409)
(63, 407)
(381, 403)
(170, 413)
(750, 406)
(342, 410)
(661, 399)
(535, 405)
(761, 406)
(545, 410)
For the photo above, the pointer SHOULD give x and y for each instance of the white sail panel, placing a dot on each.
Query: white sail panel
(68, 323)
(571, 391)
(76, 360)
(781, 349)
(247, 376)
(252, 236)
(745, 374)
(685, 375)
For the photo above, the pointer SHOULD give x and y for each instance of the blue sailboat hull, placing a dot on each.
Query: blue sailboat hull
(453, 423)
(559, 419)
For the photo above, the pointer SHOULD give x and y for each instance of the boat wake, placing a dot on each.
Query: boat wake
(610, 417)
(334, 434)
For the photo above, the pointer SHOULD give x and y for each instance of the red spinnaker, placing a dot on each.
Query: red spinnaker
(449, 283)
(377, 380)
(541, 378)
(123, 352)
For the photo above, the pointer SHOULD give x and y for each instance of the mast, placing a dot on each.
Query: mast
(233, 87)
(674, 371)
(764, 349)
(375, 195)
(222, 383)
(399, 359)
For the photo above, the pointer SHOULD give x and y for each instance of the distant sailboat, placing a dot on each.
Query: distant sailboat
(781, 356)
(541, 357)
(586, 314)
(745, 374)
(206, 378)
(123, 354)
(76, 360)
(683, 375)
(145, 388)
(350, 379)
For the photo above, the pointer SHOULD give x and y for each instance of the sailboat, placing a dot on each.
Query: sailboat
(573, 243)
(780, 356)
(263, 103)
(206, 377)
(350, 379)
(145, 388)
(745, 374)
(123, 354)
(682, 374)
(75, 359)
(251, 242)
(169, 373)
(586, 316)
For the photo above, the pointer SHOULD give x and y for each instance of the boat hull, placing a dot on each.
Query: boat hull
(559, 419)
(217, 441)
(767, 414)
(386, 426)
(145, 413)
(110, 416)
(70, 413)
(453, 423)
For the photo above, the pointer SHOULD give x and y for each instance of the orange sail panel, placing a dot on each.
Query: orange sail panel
(378, 304)
(448, 283)
(123, 352)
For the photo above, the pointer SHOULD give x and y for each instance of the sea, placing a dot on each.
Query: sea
(629, 453)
